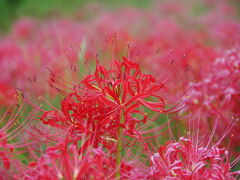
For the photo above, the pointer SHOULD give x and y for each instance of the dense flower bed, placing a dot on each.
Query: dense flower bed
(129, 94)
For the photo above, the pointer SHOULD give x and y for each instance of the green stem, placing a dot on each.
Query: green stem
(119, 146)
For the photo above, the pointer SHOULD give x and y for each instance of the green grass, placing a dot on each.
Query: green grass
(10, 10)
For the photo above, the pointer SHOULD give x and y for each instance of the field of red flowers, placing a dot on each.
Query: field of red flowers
(131, 93)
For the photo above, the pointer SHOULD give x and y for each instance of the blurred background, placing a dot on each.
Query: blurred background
(165, 37)
(10, 10)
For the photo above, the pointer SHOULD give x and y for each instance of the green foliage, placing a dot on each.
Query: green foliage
(7, 12)
(10, 10)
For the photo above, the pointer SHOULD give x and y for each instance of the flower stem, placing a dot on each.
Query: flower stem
(119, 146)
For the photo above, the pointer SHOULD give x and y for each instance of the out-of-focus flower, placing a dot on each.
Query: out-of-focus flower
(59, 162)
(218, 93)
(23, 29)
(13, 73)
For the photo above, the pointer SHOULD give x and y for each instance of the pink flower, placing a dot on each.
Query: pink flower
(59, 162)
(218, 94)
(186, 160)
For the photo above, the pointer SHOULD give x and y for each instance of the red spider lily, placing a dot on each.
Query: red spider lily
(103, 109)
(125, 87)
(185, 160)
(95, 108)
(59, 162)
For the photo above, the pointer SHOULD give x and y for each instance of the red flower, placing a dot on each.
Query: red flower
(218, 94)
(94, 108)
(185, 160)
(58, 162)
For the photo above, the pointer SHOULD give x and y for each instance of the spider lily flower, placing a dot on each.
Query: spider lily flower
(95, 107)
(193, 156)
(125, 86)
(59, 162)
(103, 107)
(184, 159)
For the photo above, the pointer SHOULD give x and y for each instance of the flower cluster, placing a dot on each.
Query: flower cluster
(185, 160)
(217, 94)
(106, 97)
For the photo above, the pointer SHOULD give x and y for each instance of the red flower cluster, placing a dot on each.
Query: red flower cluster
(108, 100)
(109, 123)
(57, 162)
(218, 94)
(186, 160)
